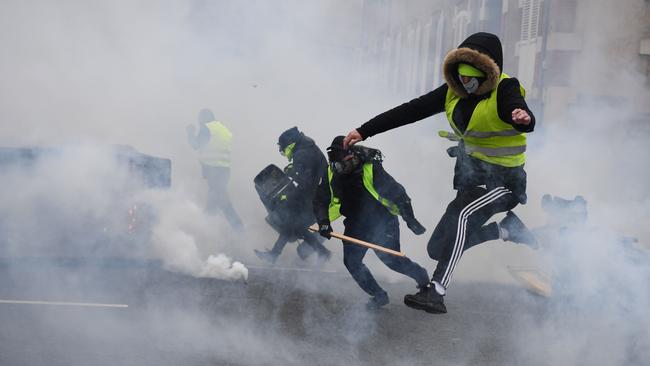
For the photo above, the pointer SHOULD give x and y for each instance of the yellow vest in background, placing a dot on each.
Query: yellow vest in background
(217, 151)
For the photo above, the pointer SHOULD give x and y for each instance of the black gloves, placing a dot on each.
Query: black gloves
(406, 210)
(324, 229)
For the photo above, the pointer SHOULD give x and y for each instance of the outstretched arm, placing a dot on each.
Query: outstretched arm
(413, 111)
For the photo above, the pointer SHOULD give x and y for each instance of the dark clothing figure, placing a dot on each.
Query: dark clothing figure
(468, 172)
(213, 142)
(294, 212)
(489, 174)
(366, 218)
(218, 199)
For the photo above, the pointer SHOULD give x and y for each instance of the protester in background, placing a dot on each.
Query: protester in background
(356, 186)
(213, 142)
(489, 118)
(294, 212)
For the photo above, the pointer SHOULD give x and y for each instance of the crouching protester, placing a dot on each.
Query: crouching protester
(290, 207)
(357, 186)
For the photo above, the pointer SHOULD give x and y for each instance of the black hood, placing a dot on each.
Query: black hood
(481, 50)
(487, 44)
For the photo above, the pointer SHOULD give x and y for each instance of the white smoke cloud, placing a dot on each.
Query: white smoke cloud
(84, 201)
(187, 240)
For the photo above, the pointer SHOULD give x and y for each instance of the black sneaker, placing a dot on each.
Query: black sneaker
(517, 231)
(266, 256)
(426, 299)
(377, 301)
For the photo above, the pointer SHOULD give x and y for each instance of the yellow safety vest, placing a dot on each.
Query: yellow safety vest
(335, 202)
(217, 151)
(487, 137)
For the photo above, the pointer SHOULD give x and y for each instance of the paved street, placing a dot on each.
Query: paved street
(280, 317)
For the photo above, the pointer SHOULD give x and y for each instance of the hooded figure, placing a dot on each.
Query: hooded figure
(213, 142)
(488, 117)
(295, 212)
(356, 186)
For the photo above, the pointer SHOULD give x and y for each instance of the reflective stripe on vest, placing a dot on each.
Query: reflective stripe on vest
(335, 202)
(217, 151)
(487, 137)
(495, 151)
(370, 187)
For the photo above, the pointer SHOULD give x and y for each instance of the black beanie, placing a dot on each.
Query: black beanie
(288, 137)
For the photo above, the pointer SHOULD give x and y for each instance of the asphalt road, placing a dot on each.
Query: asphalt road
(283, 317)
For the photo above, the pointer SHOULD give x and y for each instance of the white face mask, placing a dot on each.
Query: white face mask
(471, 85)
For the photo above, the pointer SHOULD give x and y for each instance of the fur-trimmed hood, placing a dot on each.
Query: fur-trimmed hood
(481, 50)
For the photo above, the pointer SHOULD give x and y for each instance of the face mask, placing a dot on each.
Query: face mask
(345, 167)
(288, 151)
(471, 86)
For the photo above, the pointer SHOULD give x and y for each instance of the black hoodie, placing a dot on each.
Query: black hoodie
(360, 209)
(307, 167)
(483, 51)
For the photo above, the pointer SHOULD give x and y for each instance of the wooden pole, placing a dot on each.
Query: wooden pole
(349, 239)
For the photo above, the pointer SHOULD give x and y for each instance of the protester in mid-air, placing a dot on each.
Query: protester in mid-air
(489, 118)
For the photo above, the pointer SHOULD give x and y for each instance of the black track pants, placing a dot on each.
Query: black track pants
(463, 225)
(386, 235)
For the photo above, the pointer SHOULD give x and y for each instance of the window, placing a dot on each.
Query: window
(565, 16)
(529, 19)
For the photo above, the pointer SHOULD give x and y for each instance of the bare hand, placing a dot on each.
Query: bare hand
(352, 138)
(520, 117)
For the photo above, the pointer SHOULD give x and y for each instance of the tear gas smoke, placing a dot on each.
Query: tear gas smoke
(137, 73)
(181, 228)
(86, 200)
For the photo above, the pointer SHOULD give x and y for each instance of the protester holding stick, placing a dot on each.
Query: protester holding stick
(357, 186)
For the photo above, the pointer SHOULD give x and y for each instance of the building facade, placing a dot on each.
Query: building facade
(564, 52)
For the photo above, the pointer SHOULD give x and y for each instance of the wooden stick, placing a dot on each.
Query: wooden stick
(314, 228)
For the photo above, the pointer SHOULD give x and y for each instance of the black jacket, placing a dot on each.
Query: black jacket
(358, 206)
(307, 167)
(469, 171)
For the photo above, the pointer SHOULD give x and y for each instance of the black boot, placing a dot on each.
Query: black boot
(266, 255)
(517, 231)
(426, 299)
(377, 301)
